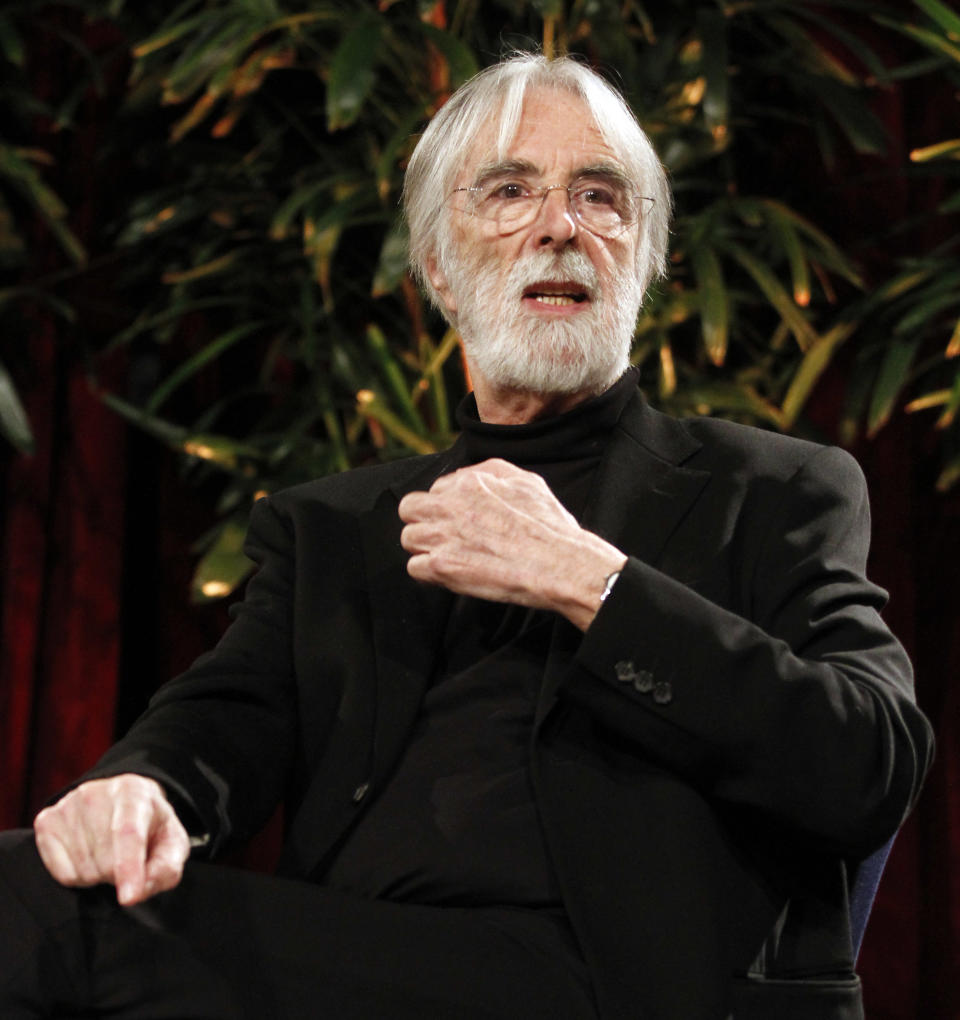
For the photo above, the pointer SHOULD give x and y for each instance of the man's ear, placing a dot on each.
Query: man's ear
(439, 280)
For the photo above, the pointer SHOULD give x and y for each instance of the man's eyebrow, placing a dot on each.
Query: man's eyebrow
(605, 171)
(504, 168)
(524, 168)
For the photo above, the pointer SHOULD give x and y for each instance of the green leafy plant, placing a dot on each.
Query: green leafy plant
(912, 327)
(259, 242)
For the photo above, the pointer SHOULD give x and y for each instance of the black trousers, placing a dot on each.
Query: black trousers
(228, 944)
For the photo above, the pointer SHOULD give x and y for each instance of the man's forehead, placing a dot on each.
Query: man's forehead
(555, 129)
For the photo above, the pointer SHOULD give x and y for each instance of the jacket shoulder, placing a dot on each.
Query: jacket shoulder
(359, 488)
(759, 453)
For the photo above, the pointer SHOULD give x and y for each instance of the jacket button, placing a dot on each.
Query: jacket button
(625, 671)
(360, 792)
(663, 692)
(643, 682)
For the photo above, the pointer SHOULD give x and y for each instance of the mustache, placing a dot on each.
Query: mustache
(567, 266)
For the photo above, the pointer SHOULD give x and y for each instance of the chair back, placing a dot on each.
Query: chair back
(862, 893)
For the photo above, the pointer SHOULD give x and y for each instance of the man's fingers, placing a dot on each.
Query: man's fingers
(421, 537)
(54, 853)
(412, 506)
(168, 852)
(150, 849)
(130, 831)
(70, 839)
(493, 466)
(501, 468)
(120, 830)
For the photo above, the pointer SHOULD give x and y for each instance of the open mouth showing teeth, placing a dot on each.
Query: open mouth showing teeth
(574, 298)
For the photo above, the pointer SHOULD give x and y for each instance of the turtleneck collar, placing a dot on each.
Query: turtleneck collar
(578, 433)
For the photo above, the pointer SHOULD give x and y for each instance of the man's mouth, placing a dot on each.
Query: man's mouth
(557, 294)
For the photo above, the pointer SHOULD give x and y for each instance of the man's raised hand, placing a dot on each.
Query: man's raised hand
(120, 830)
(497, 532)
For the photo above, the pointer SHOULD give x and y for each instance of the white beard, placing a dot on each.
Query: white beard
(512, 349)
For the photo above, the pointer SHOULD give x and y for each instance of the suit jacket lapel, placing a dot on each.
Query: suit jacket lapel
(408, 617)
(642, 492)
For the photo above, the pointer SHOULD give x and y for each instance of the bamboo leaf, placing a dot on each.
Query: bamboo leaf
(392, 263)
(295, 201)
(460, 58)
(714, 302)
(928, 307)
(168, 433)
(950, 205)
(776, 294)
(816, 359)
(148, 323)
(14, 423)
(224, 565)
(394, 150)
(855, 403)
(222, 450)
(796, 257)
(826, 251)
(338, 209)
(370, 406)
(949, 413)
(949, 475)
(193, 365)
(935, 399)
(712, 31)
(351, 73)
(859, 124)
(901, 284)
(549, 8)
(59, 307)
(924, 36)
(946, 18)
(319, 247)
(210, 58)
(28, 181)
(953, 344)
(393, 375)
(167, 35)
(891, 379)
(852, 40)
(449, 343)
(250, 75)
(949, 148)
(11, 42)
(209, 268)
(432, 380)
(198, 112)
(734, 397)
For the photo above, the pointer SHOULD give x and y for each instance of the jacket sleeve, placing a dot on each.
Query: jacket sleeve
(229, 722)
(802, 706)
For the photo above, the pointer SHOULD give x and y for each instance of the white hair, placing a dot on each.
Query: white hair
(496, 94)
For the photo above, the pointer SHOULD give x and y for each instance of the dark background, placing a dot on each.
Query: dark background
(96, 531)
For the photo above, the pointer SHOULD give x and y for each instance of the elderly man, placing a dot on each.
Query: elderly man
(591, 716)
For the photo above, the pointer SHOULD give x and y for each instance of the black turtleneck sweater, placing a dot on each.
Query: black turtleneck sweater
(457, 823)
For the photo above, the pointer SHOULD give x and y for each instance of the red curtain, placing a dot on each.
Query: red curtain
(909, 961)
(65, 632)
(61, 585)
(93, 612)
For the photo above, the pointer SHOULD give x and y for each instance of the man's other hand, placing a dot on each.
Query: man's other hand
(497, 532)
(120, 830)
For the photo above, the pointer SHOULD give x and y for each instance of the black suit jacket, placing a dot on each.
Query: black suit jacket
(732, 734)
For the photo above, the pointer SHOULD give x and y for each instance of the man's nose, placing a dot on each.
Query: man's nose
(556, 222)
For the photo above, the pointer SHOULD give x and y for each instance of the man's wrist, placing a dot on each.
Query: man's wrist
(594, 581)
(608, 585)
